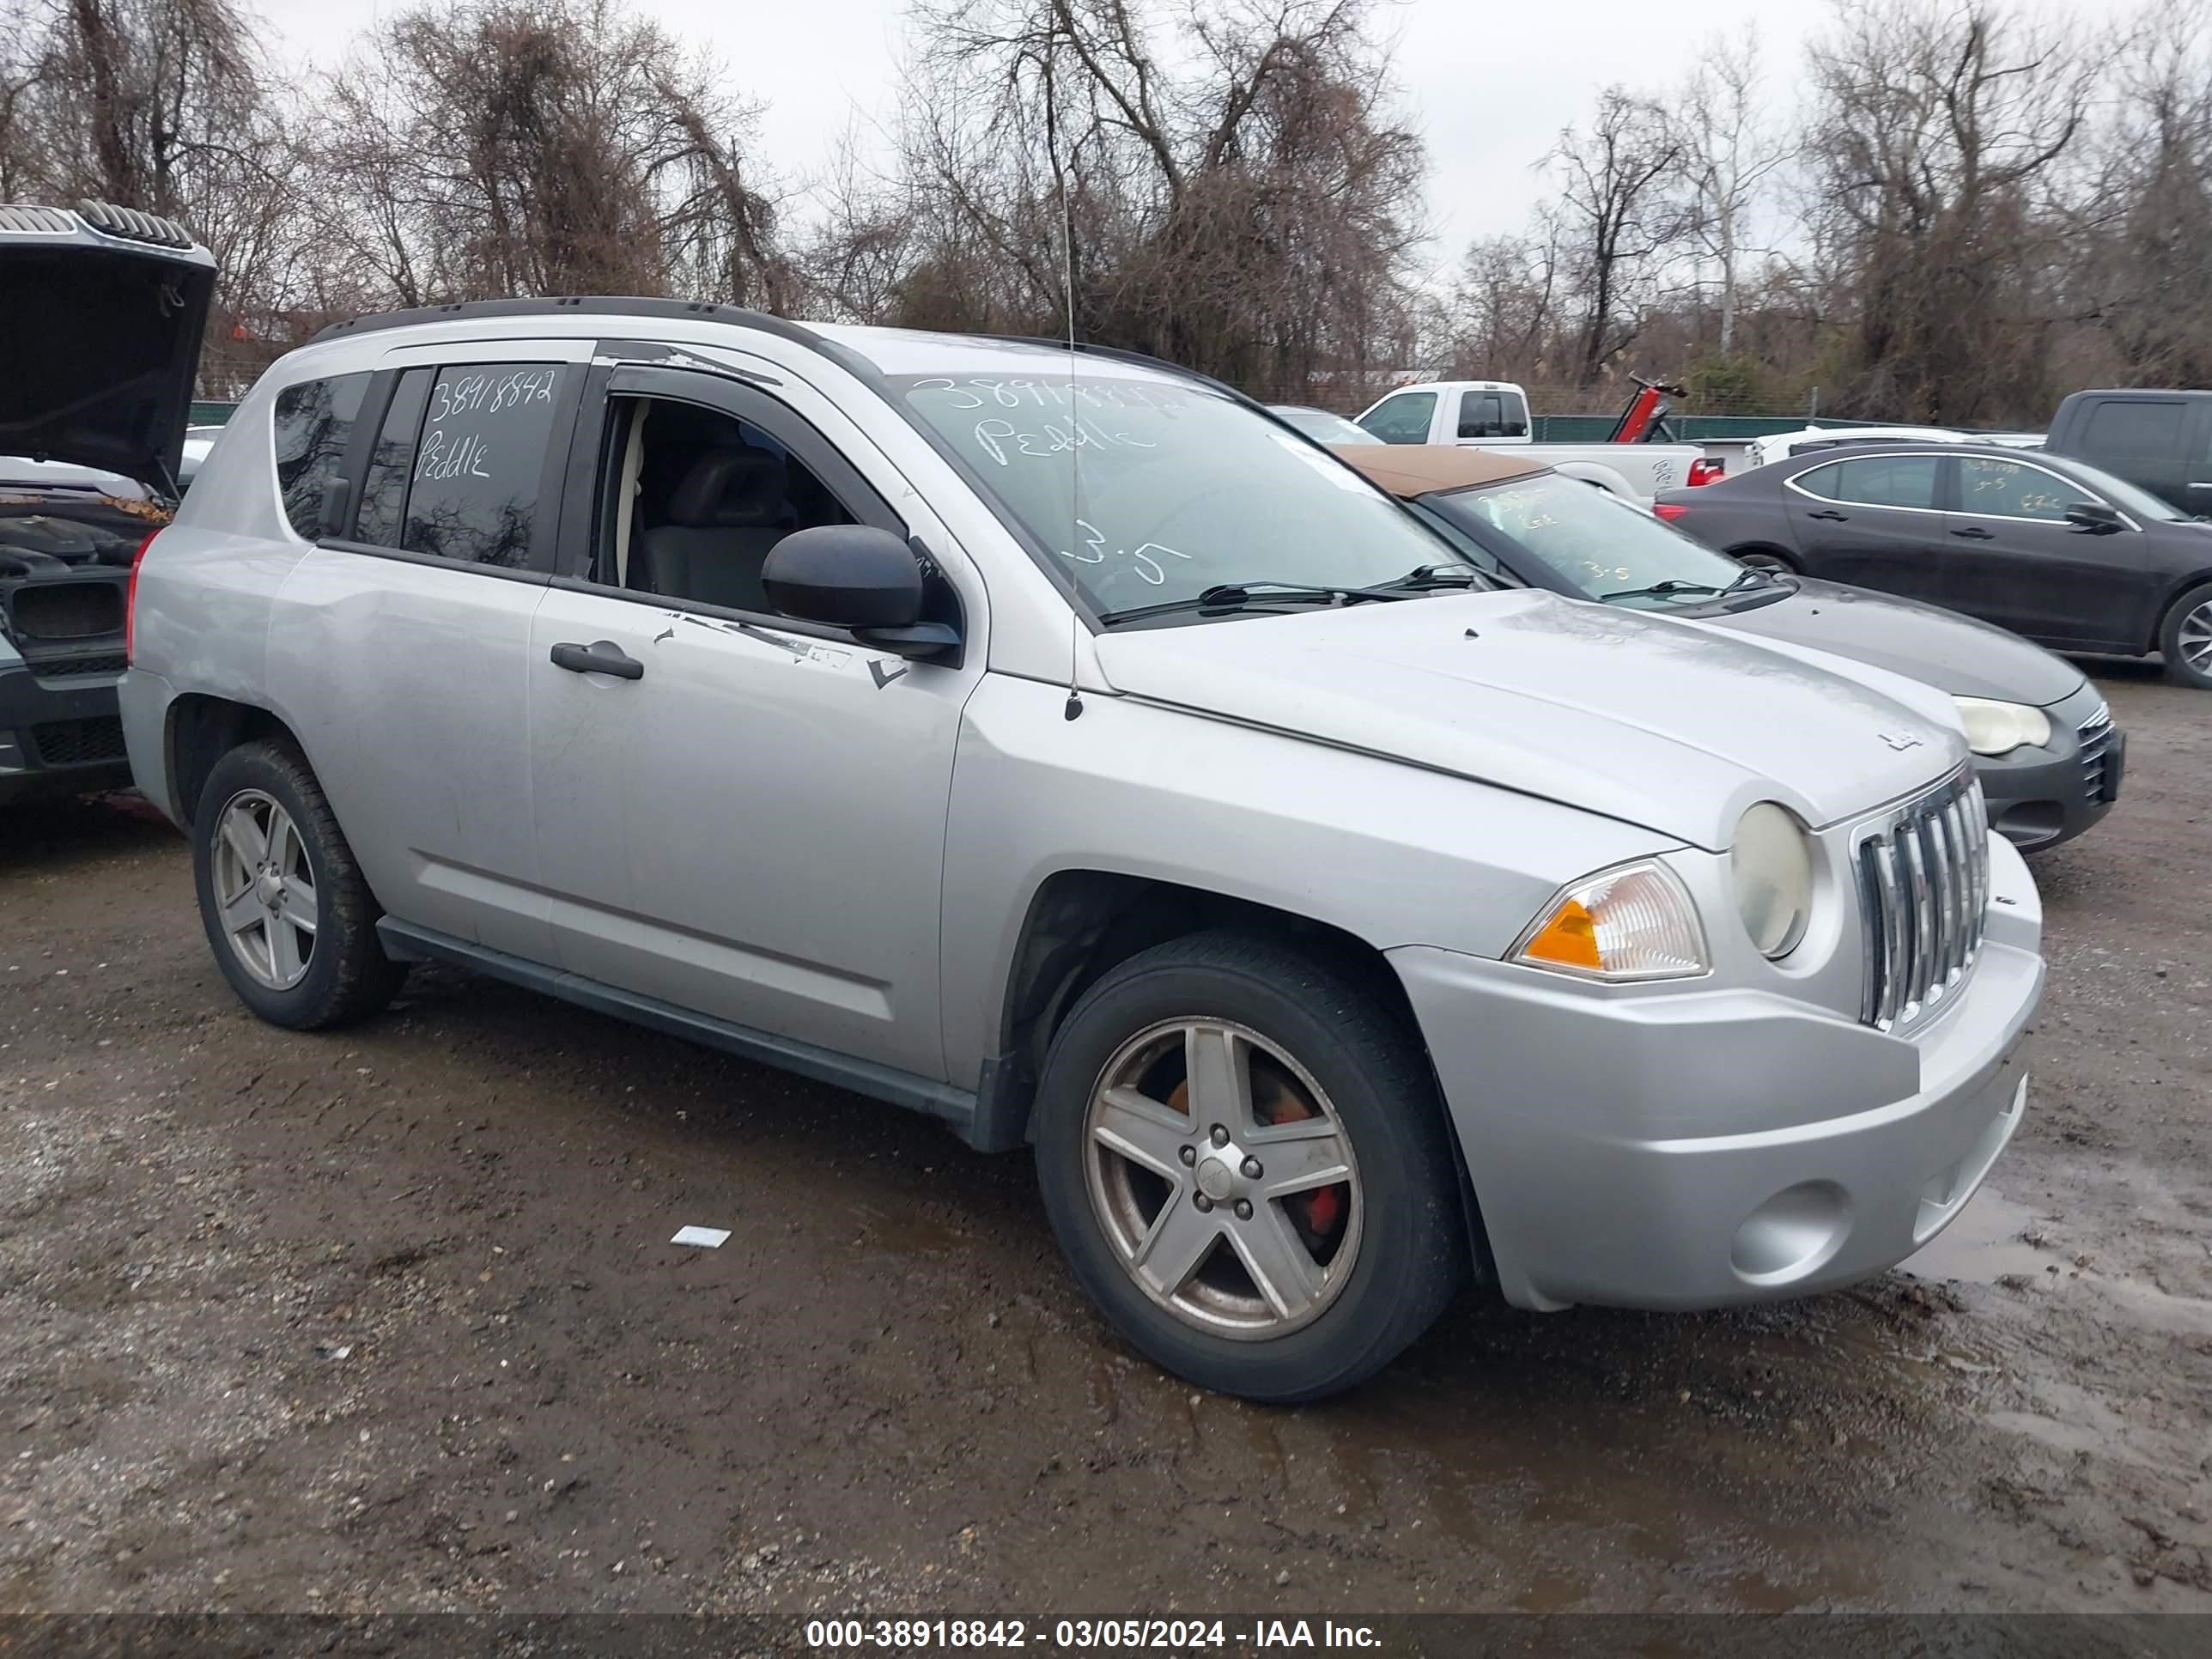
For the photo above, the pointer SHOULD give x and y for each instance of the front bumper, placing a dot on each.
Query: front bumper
(1697, 1148)
(2038, 797)
(59, 735)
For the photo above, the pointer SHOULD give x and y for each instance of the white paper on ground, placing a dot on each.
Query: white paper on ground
(712, 1238)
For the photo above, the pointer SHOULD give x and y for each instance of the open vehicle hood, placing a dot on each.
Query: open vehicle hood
(1954, 653)
(1674, 727)
(102, 312)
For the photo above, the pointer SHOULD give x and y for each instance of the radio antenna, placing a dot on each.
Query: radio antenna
(1074, 710)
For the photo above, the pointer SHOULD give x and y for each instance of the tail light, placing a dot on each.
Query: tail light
(130, 600)
(1707, 471)
(1669, 511)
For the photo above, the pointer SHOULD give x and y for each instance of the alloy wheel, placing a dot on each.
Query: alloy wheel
(266, 890)
(1223, 1177)
(2194, 637)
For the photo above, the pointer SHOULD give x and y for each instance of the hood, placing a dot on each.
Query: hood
(1671, 725)
(102, 312)
(1941, 648)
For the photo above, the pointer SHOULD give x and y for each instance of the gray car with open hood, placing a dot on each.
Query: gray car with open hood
(1060, 745)
(101, 311)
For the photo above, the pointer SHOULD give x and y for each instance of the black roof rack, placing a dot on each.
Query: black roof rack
(585, 304)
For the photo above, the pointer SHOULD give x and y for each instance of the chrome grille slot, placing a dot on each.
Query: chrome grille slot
(2096, 742)
(1923, 875)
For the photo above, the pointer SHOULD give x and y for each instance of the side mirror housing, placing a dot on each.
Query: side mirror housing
(2096, 517)
(859, 578)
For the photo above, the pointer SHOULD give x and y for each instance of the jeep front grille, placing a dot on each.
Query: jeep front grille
(1923, 882)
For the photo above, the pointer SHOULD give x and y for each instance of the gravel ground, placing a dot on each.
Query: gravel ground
(386, 1320)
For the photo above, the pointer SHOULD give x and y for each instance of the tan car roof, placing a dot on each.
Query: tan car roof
(1410, 469)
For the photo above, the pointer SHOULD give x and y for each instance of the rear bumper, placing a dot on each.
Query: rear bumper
(59, 735)
(1699, 1149)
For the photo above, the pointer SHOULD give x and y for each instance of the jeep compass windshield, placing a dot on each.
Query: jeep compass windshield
(1149, 493)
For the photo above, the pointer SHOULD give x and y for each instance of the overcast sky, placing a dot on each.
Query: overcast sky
(1489, 82)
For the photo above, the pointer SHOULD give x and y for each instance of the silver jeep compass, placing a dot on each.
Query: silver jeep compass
(1057, 743)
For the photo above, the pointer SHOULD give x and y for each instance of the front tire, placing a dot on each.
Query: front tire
(288, 914)
(1242, 1152)
(2185, 639)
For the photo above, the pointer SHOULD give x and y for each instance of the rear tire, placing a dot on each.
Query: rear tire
(1765, 558)
(2185, 639)
(289, 917)
(1175, 1227)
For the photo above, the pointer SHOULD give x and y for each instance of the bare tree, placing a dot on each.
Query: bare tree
(1505, 304)
(2145, 232)
(542, 146)
(1226, 184)
(1621, 221)
(1731, 153)
(1938, 139)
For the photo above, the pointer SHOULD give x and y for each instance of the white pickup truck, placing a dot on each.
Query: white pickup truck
(1494, 415)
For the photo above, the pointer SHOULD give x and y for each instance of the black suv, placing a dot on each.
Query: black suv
(102, 312)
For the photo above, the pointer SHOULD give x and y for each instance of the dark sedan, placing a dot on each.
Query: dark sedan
(2055, 550)
(2045, 745)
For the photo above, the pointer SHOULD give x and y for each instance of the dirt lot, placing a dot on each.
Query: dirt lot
(388, 1321)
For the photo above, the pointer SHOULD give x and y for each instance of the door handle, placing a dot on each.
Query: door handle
(1833, 518)
(599, 657)
(1975, 533)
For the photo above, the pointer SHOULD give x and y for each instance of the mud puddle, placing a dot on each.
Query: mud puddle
(1996, 1242)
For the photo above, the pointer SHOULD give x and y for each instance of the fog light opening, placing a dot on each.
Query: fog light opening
(1792, 1234)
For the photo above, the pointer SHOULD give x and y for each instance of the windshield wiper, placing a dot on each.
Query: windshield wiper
(1752, 577)
(1227, 597)
(1661, 590)
(1427, 578)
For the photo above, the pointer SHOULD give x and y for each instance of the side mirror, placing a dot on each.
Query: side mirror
(857, 577)
(2096, 517)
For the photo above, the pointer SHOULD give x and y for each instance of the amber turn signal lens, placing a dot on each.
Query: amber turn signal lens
(1633, 921)
(1569, 938)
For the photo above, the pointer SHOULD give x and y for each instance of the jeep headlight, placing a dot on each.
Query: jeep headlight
(1634, 921)
(1998, 728)
(1772, 864)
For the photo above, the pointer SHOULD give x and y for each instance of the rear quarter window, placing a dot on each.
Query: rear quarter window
(313, 425)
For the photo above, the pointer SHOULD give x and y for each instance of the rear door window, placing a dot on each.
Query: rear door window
(313, 425)
(1876, 480)
(479, 462)
(459, 461)
(1403, 419)
(2133, 433)
(1492, 414)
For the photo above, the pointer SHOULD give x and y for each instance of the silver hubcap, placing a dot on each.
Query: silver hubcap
(1223, 1177)
(2194, 638)
(266, 890)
